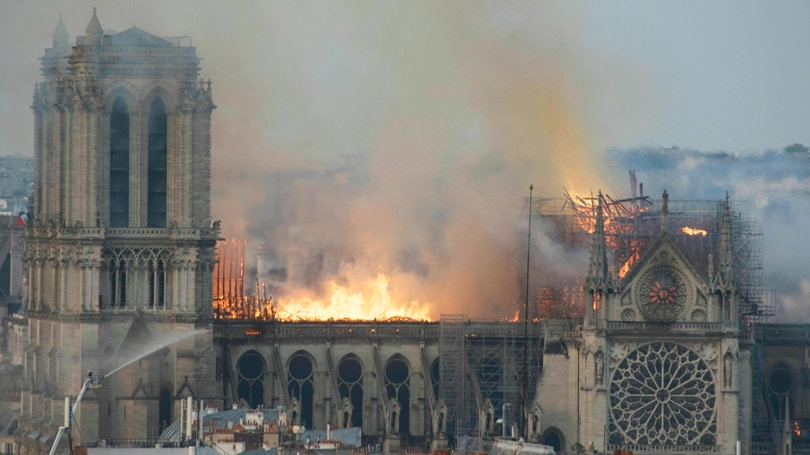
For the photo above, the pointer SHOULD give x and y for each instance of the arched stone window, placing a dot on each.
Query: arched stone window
(781, 382)
(119, 164)
(350, 385)
(250, 373)
(156, 177)
(118, 282)
(554, 438)
(157, 283)
(397, 385)
(301, 387)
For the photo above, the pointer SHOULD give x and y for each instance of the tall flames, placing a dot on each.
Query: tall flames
(373, 301)
(366, 300)
(628, 230)
(618, 217)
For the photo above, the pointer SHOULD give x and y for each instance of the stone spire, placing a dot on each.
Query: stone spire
(598, 278)
(60, 36)
(93, 32)
(664, 211)
(724, 280)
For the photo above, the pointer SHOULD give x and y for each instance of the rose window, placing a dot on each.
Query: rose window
(662, 394)
(662, 294)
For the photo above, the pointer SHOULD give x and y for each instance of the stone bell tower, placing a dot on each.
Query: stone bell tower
(120, 238)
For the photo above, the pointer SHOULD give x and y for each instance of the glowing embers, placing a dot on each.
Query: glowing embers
(230, 301)
(368, 300)
(692, 231)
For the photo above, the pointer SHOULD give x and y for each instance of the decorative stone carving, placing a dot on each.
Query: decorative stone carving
(662, 293)
(440, 419)
(599, 367)
(663, 394)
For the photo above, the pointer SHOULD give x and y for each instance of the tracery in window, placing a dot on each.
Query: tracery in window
(157, 283)
(397, 384)
(663, 394)
(350, 385)
(301, 387)
(250, 374)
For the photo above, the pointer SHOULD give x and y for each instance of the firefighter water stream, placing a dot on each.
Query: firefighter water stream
(155, 345)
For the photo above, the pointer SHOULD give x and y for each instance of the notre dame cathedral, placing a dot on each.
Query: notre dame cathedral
(667, 355)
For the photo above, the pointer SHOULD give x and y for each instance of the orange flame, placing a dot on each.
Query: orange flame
(373, 301)
(796, 429)
(365, 300)
(691, 231)
(631, 260)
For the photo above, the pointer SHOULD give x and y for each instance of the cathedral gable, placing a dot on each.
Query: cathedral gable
(663, 287)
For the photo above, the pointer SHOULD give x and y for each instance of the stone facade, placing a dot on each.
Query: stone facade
(120, 251)
(120, 240)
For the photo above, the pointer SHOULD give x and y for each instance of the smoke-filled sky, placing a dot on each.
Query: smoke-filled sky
(401, 136)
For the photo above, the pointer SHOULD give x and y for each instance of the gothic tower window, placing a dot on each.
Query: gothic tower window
(156, 178)
(118, 284)
(157, 284)
(119, 164)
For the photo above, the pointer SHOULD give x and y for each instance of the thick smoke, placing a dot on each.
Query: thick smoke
(422, 131)
(358, 138)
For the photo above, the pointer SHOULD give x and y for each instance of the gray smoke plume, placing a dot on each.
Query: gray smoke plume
(354, 138)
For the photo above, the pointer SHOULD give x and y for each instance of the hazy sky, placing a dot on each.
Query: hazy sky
(719, 75)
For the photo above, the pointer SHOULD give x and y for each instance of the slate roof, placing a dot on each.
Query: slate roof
(135, 37)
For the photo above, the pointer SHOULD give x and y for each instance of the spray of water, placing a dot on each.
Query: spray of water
(156, 345)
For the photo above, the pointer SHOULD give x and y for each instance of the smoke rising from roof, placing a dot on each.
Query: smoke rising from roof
(353, 138)
(774, 186)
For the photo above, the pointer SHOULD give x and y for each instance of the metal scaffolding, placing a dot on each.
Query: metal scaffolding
(481, 373)
(631, 225)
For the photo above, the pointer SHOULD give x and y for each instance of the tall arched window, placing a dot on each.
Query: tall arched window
(157, 283)
(118, 283)
(301, 386)
(250, 371)
(119, 164)
(350, 385)
(397, 385)
(156, 183)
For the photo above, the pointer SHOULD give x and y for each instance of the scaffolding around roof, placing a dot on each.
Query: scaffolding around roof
(632, 224)
(481, 369)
